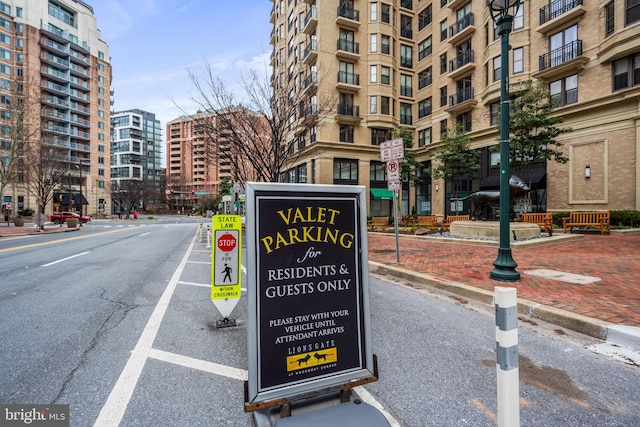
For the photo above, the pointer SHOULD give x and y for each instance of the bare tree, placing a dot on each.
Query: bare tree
(130, 193)
(263, 135)
(20, 129)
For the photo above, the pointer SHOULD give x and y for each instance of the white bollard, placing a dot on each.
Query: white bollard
(506, 305)
(208, 238)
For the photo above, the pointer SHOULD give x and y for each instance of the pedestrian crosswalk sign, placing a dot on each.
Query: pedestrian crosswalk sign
(226, 262)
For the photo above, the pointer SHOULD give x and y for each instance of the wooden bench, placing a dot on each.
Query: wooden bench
(448, 220)
(426, 221)
(600, 219)
(542, 219)
(381, 221)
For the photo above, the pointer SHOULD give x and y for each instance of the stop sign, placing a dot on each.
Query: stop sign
(227, 242)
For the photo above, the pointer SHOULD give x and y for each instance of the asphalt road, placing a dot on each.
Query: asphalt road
(116, 321)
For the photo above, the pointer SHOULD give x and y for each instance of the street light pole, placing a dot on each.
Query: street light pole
(504, 265)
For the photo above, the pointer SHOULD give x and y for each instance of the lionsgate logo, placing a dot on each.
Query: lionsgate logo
(34, 415)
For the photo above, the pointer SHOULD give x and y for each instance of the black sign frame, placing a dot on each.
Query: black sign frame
(308, 291)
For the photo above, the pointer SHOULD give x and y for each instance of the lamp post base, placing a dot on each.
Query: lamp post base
(505, 267)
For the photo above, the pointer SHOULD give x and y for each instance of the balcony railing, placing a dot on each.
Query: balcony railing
(561, 55)
(557, 8)
(461, 60)
(349, 46)
(345, 11)
(349, 110)
(309, 49)
(348, 78)
(461, 96)
(461, 24)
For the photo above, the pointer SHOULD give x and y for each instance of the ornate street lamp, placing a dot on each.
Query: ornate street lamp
(502, 12)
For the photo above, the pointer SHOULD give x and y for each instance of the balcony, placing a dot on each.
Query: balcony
(561, 61)
(348, 113)
(348, 17)
(310, 54)
(311, 82)
(558, 12)
(462, 101)
(461, 64)
(461, 29)
(348, 81)
(348, 49)
(455, 4)
(310, 21)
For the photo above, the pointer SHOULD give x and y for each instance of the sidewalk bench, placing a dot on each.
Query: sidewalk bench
(426, 221)
(380, 221)
(543, 219)
(448, 220)
(600, 219)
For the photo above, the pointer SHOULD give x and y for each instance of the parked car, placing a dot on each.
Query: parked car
(60, 217)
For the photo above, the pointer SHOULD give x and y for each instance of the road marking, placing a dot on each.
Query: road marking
(200, 262)
(201, 365)
(64, 259)
(202, 285)
(118, 400)
(484, 408)
(35, 245)
(144, 234)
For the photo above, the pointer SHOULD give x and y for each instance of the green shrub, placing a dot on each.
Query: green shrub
(625, 218)
(27, 212)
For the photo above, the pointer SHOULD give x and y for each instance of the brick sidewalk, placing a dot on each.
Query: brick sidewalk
(615, 259)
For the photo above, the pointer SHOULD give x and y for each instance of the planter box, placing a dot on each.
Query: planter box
(19, 222)
(72, 222)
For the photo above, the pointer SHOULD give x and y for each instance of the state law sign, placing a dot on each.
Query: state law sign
(226, 262)
(392, 150)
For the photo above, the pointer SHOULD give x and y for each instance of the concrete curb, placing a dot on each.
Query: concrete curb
(575, 322)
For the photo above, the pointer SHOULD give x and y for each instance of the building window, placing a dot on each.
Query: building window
(386, 13)
(406, 86)
(443, 63)
(632, 12)
(405, 114)
(443, 127)
(345, 171)
(424, 137)
(424, 48)
(518, 60)
(497, 68)
(610, 19)
(562, 46)
(374, 43)
(346, 133)
(424, 108)
(424, 78)
(626, 72)
(385, 102)
(406, 29)
(494, 113)
(385, 44)
(377, 171)
(373, 105)
(443, 96)
(463, 120)
(518, 19)
(443, 30)
(378, 136)
(385, 75)
(564, 91)
(406, 56)
(373, 74)
(374, 12)
(424, 17)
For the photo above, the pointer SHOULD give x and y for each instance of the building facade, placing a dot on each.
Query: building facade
(430, 65)
(136, 154)
(55, 47)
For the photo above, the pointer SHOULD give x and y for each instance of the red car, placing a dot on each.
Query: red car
(59, 217)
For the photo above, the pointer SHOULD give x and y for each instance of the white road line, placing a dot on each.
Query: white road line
(202, 285)
(366, 397)
(144, 234)
(116, 404)
(64, 259)
(200, 262)
(201, 365)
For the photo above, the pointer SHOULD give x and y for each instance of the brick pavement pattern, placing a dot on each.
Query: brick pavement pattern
(615, 259)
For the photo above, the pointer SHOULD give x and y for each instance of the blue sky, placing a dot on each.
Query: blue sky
(152, 43)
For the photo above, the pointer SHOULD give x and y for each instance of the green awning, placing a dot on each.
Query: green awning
(381, 194)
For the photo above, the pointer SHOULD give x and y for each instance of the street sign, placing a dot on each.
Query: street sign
(392, 150)
(393, 185)
(393, 171)
(226, 262)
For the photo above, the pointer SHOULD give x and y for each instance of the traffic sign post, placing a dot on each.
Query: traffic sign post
(226, 265)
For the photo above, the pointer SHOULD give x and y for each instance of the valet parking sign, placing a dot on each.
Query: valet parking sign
(226, 265)
(308, 321)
